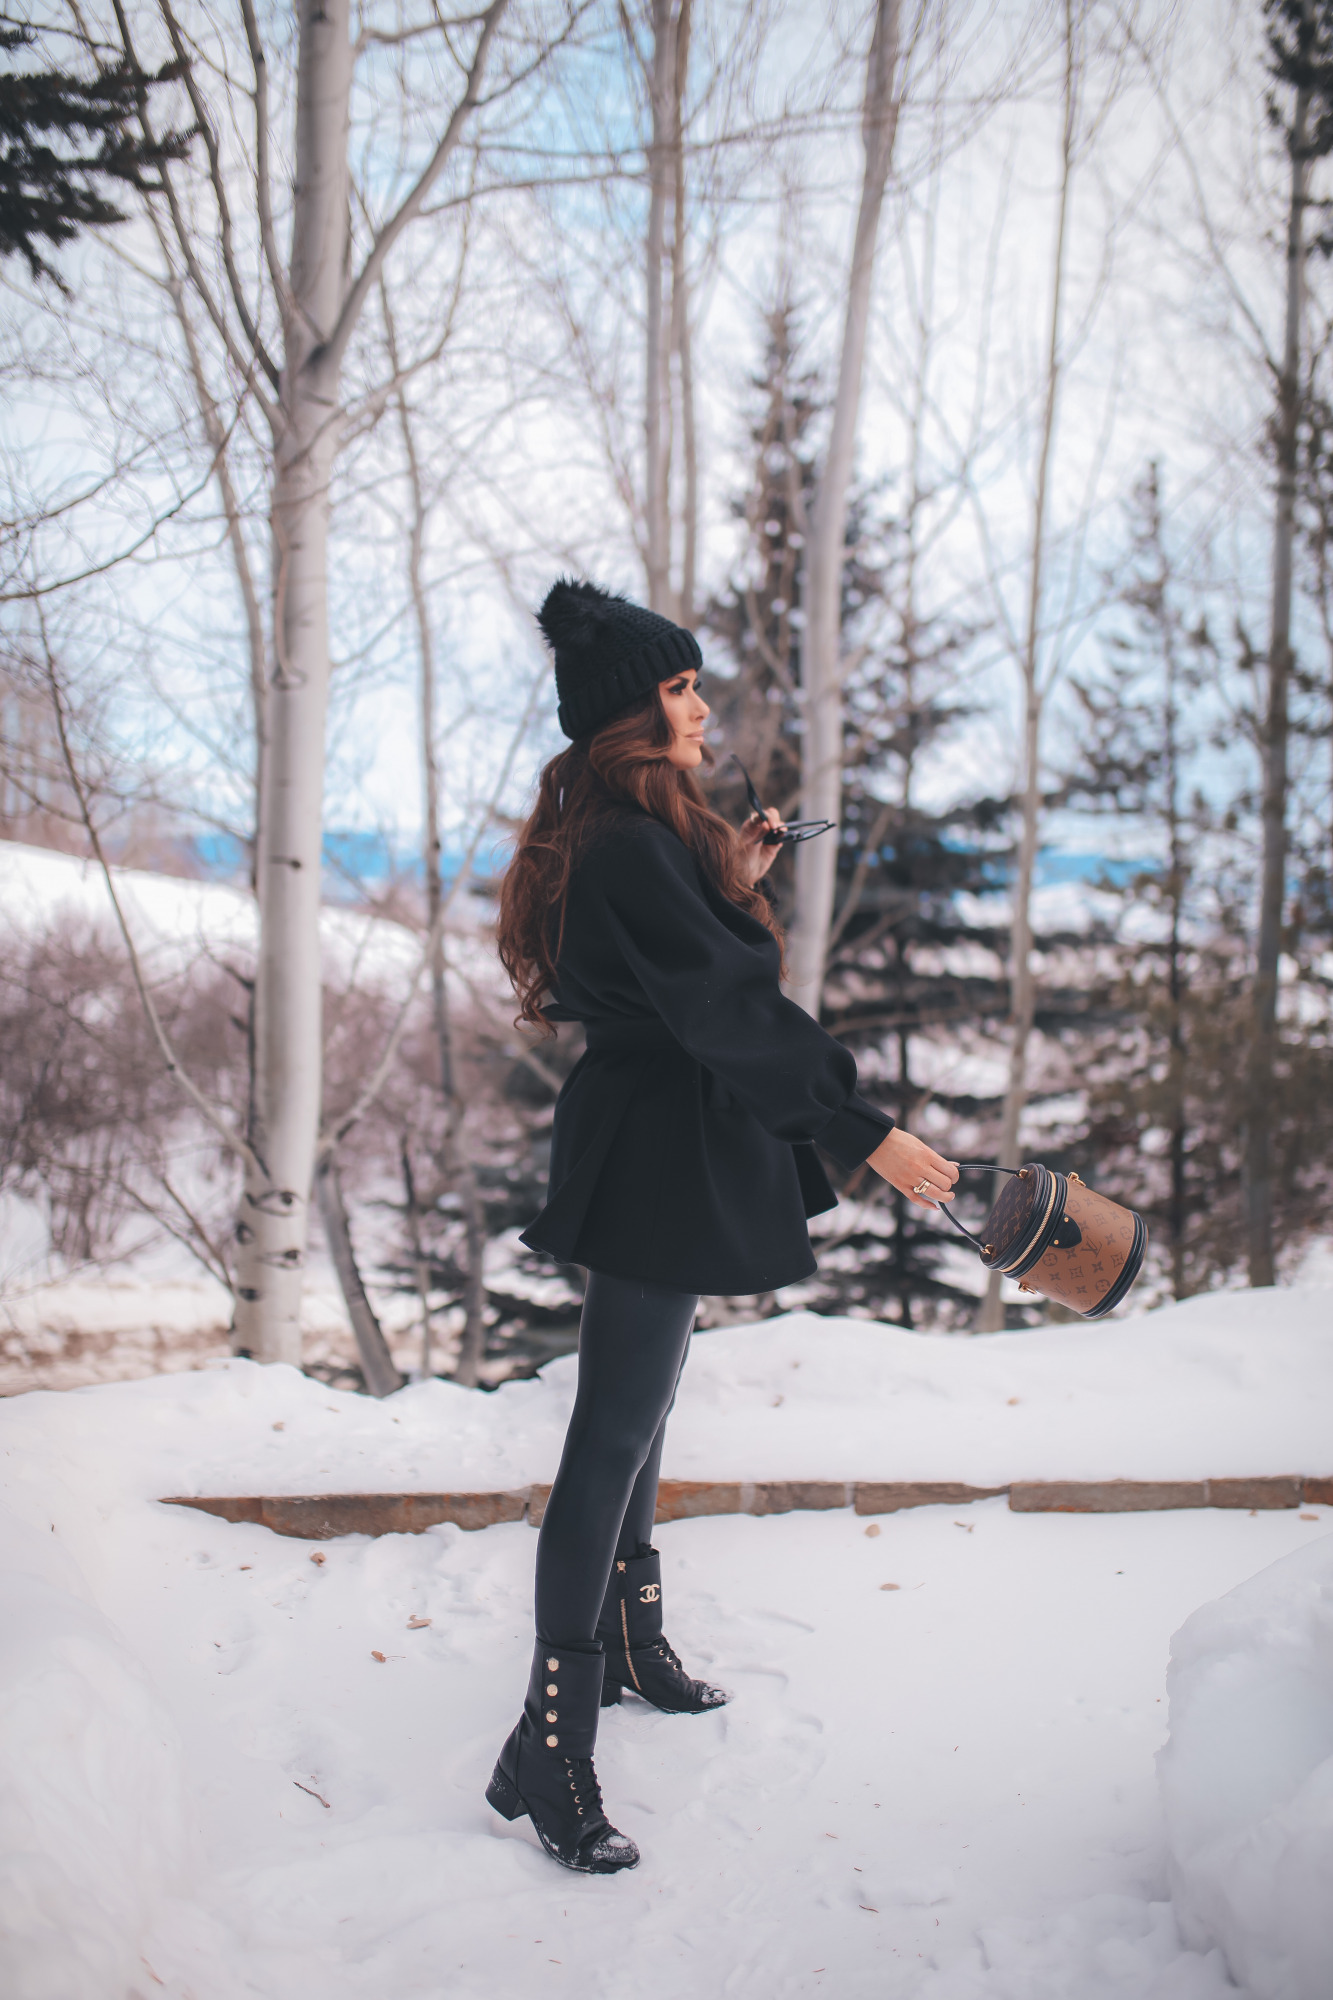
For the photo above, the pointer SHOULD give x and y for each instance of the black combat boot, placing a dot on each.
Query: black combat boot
(545, 1768)
(637, 1656)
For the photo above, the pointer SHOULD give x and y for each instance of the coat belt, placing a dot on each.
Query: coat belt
(556, 1229)
(607, 1035)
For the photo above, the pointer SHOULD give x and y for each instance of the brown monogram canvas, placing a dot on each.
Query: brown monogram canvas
(1081, 1276)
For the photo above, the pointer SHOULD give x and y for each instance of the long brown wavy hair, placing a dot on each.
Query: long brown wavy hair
(578, 792)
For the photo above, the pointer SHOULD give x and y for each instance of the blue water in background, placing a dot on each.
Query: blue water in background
(360, 859)
(354, 859)
(1055, 868)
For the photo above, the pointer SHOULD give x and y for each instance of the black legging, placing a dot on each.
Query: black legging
(633, 1339)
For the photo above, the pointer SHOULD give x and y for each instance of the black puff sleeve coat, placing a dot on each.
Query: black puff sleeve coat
(682, 1147)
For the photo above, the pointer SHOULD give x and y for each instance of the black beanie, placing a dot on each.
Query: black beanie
(608, 652)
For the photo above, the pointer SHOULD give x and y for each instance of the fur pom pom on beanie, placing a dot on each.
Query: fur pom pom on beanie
(608, 652)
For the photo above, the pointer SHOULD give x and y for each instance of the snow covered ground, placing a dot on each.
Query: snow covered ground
(936, 1781)
(1230, 1385)
(1247, 1777)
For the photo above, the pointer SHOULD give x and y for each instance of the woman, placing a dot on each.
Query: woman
(682, 1156)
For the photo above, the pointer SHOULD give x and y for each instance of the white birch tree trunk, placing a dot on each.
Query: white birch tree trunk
(656, 400)
(245, 1275)
(453, 1158)
(377, 1364)
(1273, 870)
(821, 670)
(682, 385)
(322, 302)
(1022, 983)
(288, 997)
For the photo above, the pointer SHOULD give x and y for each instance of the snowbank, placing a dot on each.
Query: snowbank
(1247, 1777)
(237, 1768)
(92, 1814)
(1234, 1384)
(935, 1782)
(174, 920)
(122, 1329)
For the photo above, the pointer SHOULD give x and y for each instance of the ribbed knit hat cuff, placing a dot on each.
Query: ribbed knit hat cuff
(601, 695)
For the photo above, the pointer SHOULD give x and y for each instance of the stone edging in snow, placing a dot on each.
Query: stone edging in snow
(320, 1517)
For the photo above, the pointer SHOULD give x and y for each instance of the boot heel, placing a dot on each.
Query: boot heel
(501, 1794)
(610, 1693)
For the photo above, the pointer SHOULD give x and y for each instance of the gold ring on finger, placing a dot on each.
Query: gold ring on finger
(922, 1187)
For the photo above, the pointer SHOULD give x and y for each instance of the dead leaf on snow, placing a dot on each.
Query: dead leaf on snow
(415, 1624)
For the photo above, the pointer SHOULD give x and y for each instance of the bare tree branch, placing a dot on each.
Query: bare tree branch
(34, 593)
(244, 366)
(263, 175)
(336, 345)
(230, 1138)
(393, 38)
(330, 1140)
(190, 1237)
(248, 321)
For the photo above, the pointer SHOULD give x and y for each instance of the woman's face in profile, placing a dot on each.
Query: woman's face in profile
(686, 711)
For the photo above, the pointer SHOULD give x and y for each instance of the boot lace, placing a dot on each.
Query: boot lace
(702, 1691)
(587, 1791)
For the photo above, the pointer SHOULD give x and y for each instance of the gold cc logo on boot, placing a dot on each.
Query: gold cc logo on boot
(649, 1593)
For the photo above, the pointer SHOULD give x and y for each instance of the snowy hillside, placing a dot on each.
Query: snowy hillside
(242, 1766)
(174, 920)
(56, 1329)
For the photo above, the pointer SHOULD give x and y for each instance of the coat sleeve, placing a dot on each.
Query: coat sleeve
(720, 997)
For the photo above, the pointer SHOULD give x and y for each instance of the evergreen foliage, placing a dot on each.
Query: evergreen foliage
(1165, 1111)
(61, 138)
(914, 957)
(759, 617)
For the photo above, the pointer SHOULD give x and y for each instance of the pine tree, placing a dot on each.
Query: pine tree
(1166, 1061)
(907, 958)
(62, 137)
(759, 618)
(914, 968)
(1300, 108)
(1137, 740)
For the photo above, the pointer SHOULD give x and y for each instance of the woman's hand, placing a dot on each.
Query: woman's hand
(756, 859)
(914, 1168)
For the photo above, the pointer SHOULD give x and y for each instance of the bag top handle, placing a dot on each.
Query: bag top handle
(972, 1167)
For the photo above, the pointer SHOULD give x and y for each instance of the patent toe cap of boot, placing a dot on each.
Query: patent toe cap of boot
(656, 1675)
(602, 1850)
(710, 1696)
(611, 1851)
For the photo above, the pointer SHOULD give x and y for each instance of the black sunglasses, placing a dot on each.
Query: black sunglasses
(795, 830)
